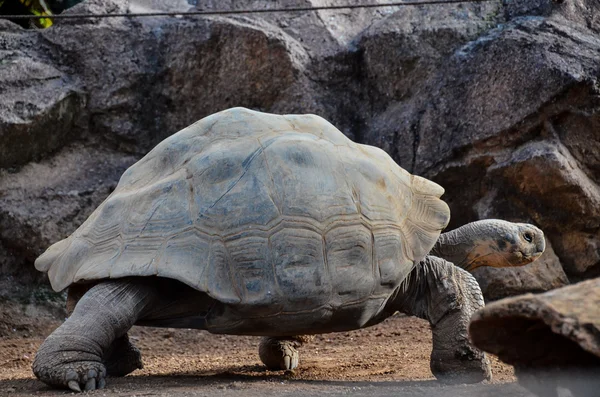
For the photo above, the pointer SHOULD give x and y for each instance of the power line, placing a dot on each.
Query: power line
(246, 11)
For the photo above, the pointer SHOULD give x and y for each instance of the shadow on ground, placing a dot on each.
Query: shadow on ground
(254, 385)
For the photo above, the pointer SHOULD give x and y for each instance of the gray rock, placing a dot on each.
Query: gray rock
(517, 8)
(552, 339)
(145, 79)
(48, 200)
(322, 32)
(580, 253)
(509, 80)
(38, 107)
(546, 175)
(404, 50)
(402, 56)
(580, 12)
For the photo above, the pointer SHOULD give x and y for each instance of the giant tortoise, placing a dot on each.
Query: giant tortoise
(250, 223)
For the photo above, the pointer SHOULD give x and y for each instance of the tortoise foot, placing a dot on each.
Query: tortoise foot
(69, 363)
(75, 375)
(454, 359)
(279, 353)
(462, 365)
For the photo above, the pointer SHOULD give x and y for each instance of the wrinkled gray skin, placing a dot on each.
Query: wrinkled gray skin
(93, 343)
(491, 242)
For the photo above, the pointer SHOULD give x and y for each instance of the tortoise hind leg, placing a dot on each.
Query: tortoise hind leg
(447, 297)
(72, 356)
(122, 358)
(280, 353)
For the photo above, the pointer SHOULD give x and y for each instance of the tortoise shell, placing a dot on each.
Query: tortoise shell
(273, 213)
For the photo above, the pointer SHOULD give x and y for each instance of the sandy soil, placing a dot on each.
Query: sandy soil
(396, 350)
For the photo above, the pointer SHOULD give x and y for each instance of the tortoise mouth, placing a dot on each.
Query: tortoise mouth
(530, 257)
(502, 260)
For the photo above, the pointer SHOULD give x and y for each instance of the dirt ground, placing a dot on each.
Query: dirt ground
(191, 362)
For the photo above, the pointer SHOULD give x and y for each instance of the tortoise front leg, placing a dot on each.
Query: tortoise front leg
(279, 353)
(72, 356)
(446, 296)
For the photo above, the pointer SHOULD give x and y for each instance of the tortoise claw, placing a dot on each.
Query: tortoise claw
(90, 385)
(73, 385)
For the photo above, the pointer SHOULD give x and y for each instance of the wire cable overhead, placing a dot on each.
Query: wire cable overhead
(245, 11)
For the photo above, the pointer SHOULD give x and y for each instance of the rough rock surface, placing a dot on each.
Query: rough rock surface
(51, 198)
(496, 101)
(38, 116)
(552, 339)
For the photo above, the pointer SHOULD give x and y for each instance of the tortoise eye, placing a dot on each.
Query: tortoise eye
(528, 237)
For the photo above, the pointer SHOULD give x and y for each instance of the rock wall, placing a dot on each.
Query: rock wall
(497, 101)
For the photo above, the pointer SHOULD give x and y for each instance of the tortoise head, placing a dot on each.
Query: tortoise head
(499, 243)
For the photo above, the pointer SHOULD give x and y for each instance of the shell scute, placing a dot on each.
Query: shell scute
(389, 260)
(297, 256)
(296, 165)
(174, 259)
(349, 252)
(251, 270)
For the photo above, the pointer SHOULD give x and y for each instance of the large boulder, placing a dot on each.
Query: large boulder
(552, 339)
(146, 79)
(404, 50)
(48, 200)
(402, 56)
(505, 89)
(39, 103)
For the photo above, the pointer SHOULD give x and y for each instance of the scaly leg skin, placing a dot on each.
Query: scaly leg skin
(280, 353)
(446, 296)
(72, 356)
(122, 358)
